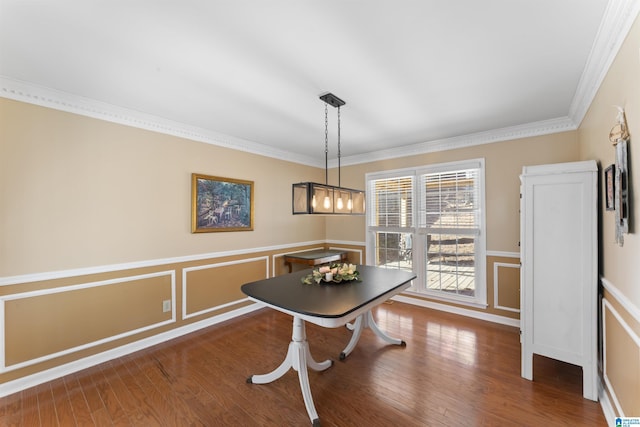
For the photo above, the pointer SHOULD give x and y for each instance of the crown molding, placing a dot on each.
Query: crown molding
(618, 18)
(46, 97)
(617, 21)
(545, 127)
(59, 100)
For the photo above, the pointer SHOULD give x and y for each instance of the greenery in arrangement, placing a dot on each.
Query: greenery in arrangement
(334, 273)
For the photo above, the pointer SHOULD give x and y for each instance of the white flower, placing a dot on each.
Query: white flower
(347, 269)
(333, 273)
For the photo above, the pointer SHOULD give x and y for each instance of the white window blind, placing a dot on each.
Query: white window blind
(450, 201)
(430, 220)
(392, 202)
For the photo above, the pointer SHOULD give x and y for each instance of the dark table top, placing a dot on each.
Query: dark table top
(327, 300)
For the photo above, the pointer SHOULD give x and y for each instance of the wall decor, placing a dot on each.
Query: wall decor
(220, 204)
(609, 187)
(621, 199)
(619, 137)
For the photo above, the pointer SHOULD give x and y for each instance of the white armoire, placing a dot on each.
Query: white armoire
(559, 256)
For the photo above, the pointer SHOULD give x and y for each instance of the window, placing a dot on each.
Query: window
(393, 217)
(431, 221)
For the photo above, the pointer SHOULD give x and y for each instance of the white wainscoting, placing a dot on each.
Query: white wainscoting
(282, 254)
(185, 288)
(31, 380)
(606, 305)
(35, 294)
(496, 288)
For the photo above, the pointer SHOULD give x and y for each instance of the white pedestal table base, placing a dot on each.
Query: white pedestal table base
(365, 320)
(299, 358)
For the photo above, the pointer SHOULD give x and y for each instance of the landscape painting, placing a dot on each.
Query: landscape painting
(220, 204)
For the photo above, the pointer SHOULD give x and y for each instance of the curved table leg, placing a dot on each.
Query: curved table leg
(284, 367)
(298, 358)
(374, 326)
(363, 321)
(316, 366)
(357, 330)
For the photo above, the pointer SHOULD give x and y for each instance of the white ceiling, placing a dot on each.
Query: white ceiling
(415, 74)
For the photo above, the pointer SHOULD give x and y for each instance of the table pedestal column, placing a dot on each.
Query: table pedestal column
(365, 320)
(299, 358)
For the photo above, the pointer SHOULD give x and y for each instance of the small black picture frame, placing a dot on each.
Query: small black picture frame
(609, 187)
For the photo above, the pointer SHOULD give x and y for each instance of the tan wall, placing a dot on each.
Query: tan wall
(53, 322)
(40, 325)
(503, 166)
(621, 358)
(84, 193)
(503, 286)
(621, 87)
(619, 266)
(80, 192)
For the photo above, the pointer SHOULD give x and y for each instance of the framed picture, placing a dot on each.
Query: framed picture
(609, 187)
(220, 204)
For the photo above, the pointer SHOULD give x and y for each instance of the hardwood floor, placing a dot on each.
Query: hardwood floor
(454, 371)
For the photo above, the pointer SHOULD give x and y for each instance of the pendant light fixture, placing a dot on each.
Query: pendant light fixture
(325, 199)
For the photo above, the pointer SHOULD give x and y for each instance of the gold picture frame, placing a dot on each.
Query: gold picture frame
(221, 204)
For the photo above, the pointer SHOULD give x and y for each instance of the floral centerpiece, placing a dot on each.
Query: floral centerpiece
(335, 273)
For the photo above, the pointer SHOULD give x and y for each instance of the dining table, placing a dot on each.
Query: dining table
(330, 304)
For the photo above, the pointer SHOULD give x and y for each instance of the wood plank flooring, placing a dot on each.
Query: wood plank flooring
(454, 371)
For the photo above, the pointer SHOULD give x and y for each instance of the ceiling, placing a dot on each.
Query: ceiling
(416, 75)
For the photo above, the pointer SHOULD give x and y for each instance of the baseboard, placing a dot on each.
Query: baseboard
(605, 404)
(29, 381)
(459, 310)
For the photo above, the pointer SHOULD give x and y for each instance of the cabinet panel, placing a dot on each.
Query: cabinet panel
(559, 266)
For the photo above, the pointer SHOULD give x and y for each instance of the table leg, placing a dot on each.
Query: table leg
(298, 358)
(365, 320)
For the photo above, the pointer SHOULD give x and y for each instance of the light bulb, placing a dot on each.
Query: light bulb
(327, 202)
(339, 203)
(350, 204)
(313, 202)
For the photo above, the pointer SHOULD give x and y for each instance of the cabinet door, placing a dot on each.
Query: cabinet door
(557, 239)
(559, 267)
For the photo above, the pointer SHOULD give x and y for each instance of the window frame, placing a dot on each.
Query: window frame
(419, 231)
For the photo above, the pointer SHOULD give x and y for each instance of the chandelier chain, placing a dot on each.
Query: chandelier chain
(326, 144)
(326, 199)
(339, 185)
